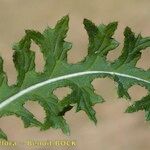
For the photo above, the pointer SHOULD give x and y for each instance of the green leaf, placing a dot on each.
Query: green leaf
(141, 105)
(40, 86)
(3, 135)
(100, 38)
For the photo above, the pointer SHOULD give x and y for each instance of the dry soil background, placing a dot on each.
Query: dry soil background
(115, 130)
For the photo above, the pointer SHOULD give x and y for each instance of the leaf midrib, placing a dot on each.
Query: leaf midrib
(41, 84)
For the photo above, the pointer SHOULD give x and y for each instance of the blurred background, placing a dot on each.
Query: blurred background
(115, 130)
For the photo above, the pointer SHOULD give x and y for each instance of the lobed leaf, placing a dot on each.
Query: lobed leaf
(39, 86)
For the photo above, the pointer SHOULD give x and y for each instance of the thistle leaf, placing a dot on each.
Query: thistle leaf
(40, 86)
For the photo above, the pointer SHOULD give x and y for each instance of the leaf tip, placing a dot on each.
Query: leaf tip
(130, 109)
(64, 19)
(88, 23)
(90, 27)
(128, 32)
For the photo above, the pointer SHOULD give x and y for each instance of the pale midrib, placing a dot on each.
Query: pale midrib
(38, 85)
